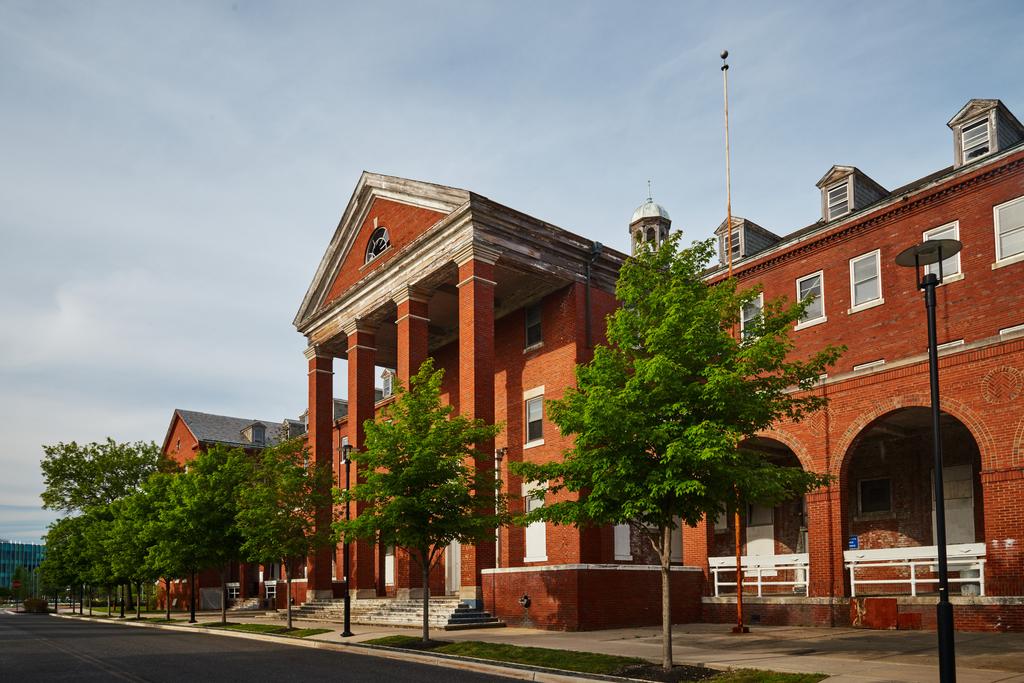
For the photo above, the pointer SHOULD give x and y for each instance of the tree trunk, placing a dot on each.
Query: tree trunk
(288, 599)
(110, 605)
(167, 596)
(224, 595)
(666, 602)
(121, 589)
(138, 599)
(192, 598)
(425, 564)
(90, 599)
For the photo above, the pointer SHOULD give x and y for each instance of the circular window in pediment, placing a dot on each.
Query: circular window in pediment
(379, 242)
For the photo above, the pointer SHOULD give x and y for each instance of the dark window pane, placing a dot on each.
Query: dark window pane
(535, 419)
(534, 334)
(876, 495)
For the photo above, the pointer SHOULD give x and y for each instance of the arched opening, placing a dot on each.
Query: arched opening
(889, 510)
(773, 538)
(650, 234)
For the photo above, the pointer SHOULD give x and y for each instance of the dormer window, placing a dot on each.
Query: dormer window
(974, 140)
(259, 434)
(838, 200)
(387, 383)
(737, 246)
(379, 242)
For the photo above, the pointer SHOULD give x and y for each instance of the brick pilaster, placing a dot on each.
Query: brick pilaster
(697, 544)
(476, 382)
(826, 543)
(411, 322)
(321, 421)
(362, 352)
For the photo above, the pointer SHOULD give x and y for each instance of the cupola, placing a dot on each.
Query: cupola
(650, 223)
(981, 128)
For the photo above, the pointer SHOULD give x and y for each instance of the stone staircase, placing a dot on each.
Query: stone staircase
(450, 614)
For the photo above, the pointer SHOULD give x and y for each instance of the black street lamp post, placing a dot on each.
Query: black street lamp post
(346, 452)
(932, 252)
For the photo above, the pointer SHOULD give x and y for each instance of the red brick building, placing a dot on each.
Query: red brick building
(508, 304)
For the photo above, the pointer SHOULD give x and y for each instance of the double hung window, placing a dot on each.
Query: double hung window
(534, 331)
(951, 265)
(1009, 223)
(750, 316)
(838, 200)
(810, 287)
(865, 281)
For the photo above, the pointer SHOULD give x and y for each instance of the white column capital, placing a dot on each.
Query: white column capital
(315, 351)
(474, 251)
(410, 293)
(358, 325)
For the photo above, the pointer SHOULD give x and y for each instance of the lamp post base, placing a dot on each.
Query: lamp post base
(947, 657)
(740, 629)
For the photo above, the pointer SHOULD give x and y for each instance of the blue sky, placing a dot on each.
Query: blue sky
(170, 173)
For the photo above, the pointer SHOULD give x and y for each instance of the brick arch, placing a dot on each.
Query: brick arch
(1017, 454)
(958, 409)
(794, 444)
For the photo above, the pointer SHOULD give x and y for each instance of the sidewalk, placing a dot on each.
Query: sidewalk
(848, 655)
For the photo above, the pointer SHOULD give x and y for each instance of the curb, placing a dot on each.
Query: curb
(518, 671)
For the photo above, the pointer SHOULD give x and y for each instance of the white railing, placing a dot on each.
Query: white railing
(965, 558)
(762, 567)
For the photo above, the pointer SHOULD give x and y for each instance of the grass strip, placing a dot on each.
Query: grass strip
(760, 676)
(568, 660)
(268, 629)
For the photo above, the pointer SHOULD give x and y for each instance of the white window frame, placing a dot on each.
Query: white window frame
(389, 565)
(854, 306)
(987, 124)
(845, 184)
(927, 235)
(737, 245)
(536, 532)
(1002, 260)
(810, 322)
(743, 321)
(537, 393)
(622, 545)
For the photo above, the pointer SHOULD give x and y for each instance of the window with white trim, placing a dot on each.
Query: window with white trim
(810, 287)
(534, 419)
(838, 200)
(865, 280)
(1009, 222)
(378, 244)
(974, 140)
(723, 245)
(536, 532)
(951, 265)
(623, 551)
(750, 314)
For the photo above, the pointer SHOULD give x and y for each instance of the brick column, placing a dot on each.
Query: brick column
(362, 353)
(411, 321)
(826, 543)
(697, 543)
(321, 422)
(1002, 490)
(476, 383)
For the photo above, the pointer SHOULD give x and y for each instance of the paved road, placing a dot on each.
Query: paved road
(41, 648)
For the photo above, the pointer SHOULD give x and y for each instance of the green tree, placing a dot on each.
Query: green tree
(659, 414)
(66, 564)
(418, 481)
(129, 540)
(78, 477)
(277, 509)
(196, 520)
(166, 555)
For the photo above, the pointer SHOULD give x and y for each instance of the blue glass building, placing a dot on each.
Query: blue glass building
(14, 554)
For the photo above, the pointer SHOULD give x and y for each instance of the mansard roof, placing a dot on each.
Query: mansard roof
(210, 428)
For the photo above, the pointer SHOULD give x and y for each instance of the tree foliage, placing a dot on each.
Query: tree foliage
(659, 415)
(78, 477)
(278, 507)
(418, 481)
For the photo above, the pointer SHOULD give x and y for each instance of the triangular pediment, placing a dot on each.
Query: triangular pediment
(835, 174)
(973, 109)
(407, 208)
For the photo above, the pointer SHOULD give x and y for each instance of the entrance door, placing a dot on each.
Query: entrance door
(453, 568)
(958, 489)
